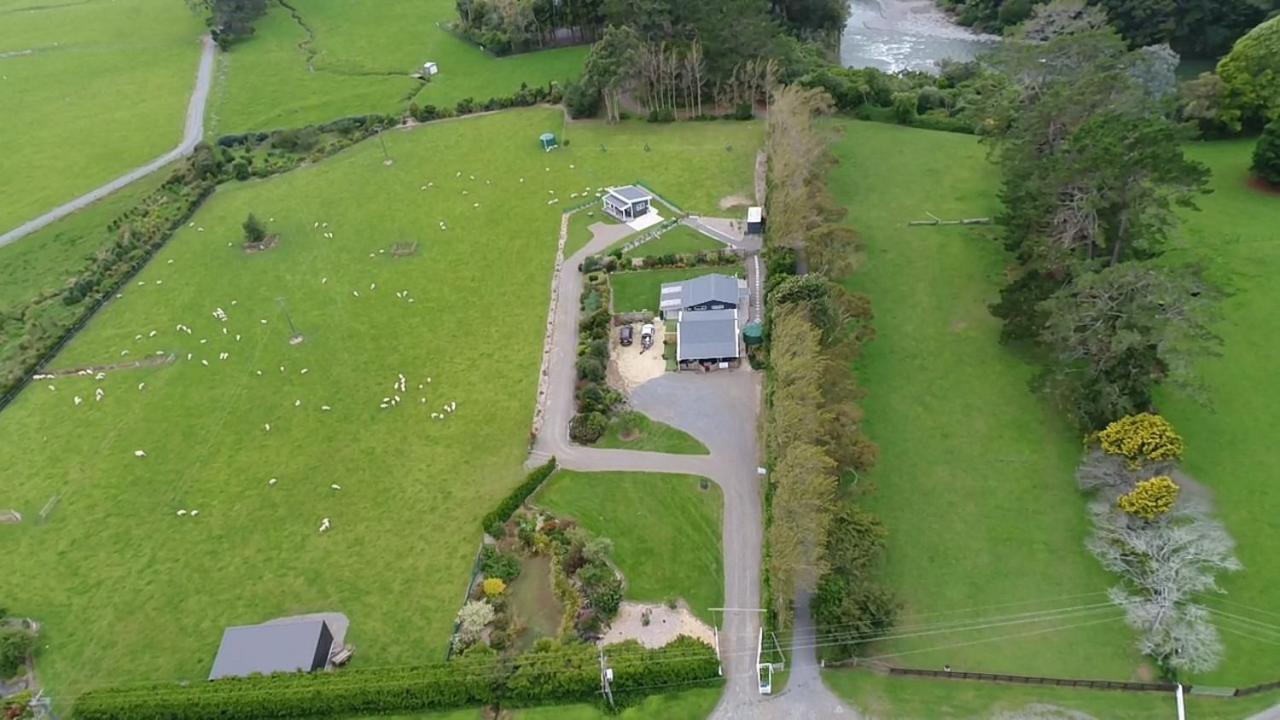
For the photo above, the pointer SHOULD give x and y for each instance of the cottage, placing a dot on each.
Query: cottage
(284, 646)
(626, 203)
(713, 291)
(707, 337)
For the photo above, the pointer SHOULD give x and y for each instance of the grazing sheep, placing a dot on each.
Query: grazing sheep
(204, 363)
(297, 403)
(137, 337)
(266, 427)
(139, 453)
(258, 372)
(264, 322)
(272, 481)
(78, 400)
(188, 356)
(100, 376)
(123, 353)
(159, 282)
(141, 385)
(384, 406)
(324, 280)
(303, 371)
(181, 513)
(356, 293)
(325, 408)
(51, 387)
(373, 286)
(195, 513)
(336, 486)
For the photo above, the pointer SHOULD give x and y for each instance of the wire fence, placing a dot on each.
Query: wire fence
(1036, 680)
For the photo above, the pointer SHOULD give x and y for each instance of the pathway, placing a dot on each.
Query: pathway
(192, 133)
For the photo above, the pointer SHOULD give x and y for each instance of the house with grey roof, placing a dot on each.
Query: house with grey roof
(282, 646)
(708, 337)
(713, 291)
(626, 203)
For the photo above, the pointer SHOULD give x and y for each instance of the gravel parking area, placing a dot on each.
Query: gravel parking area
(664, 625)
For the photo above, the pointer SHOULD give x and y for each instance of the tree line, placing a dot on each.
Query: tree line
(231, 21)
(1199, 28)
(818, 539)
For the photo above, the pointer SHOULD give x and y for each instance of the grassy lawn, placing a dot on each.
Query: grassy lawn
(580, 229)
(665, 530)
(681, 239)
(129, 591)
(884, 698)
(635, 431)
(639, 289)
(1230, 444)
(103, 89)
(975, 475)
(358, 60)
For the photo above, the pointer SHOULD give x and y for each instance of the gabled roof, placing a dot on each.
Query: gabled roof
(630, 193)
(286, 646)
(707, 335)
(713, 287)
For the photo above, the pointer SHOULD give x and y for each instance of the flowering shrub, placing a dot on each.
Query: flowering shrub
(1150, 499)
(1141, 438)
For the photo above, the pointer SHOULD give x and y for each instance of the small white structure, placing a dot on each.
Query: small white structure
(430, 69)
(755, 220)
(626, 203)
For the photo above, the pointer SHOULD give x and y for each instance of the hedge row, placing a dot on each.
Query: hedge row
(492, 522)
(472, 681)
(551, 673)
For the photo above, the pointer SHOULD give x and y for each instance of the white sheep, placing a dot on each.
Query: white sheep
(123, 353)
(304, 371)
(281, 368)
(325, 408)
(139, 453)
(355, 293)
(324, 280)
(297, 403)
(51, 387)
(195, 513)
(272, 481)
(78, 400)
(335, 486)
(266, 427)
(204, 363)
(141, 385)
(181, 513)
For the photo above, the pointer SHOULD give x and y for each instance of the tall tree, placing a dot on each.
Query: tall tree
(611, 67)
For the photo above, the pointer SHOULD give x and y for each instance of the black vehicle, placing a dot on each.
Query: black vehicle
(625, 334)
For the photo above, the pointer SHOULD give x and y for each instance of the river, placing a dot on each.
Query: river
(895, 35)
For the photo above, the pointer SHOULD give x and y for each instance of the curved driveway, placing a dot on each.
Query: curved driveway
(721, 410)
(192, 132)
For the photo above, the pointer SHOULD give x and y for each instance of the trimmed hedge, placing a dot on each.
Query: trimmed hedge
(550, 673)
(492, 522)
(469, 681)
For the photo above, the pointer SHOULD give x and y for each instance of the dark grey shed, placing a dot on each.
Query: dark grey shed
(286, 646)
(707, 336)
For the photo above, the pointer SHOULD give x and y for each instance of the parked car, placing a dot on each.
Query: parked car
(625, 335)
(646, 336)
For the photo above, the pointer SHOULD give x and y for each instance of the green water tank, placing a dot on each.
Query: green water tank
(753, 334)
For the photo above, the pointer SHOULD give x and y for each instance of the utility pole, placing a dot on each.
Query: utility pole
(294, 336)
(606, 679)
(382, 143)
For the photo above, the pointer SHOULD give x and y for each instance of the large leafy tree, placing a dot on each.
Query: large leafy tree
(1113, 334)
(1266, 155)
(611, 67)
(1251, 72)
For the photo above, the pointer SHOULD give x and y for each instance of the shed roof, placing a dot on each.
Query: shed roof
(707, 335)
(755, 214)
(630, 193)
(712, 287)
(286, 646)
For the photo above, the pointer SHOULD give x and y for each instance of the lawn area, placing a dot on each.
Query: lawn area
(638, 290)
(89, 91)
(884, 698)
(355, 60)
(129, 591)
(1230, 444)
(635, 431)
(975, 479)
(678, 240)
(665, 530)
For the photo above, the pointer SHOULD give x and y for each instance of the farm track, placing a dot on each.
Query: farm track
(721, 410)
(192, 132)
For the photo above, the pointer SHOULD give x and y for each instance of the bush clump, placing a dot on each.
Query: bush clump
(1150, 499)
(1141, 439)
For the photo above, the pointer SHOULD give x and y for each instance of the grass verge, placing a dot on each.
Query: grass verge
(635, 431)
(638, 290)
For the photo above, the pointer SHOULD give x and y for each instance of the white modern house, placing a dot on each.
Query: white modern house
(627, 203)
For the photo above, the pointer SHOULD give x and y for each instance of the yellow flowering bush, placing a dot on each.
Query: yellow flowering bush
(1141, 439)
(1150, 499)
(493, 587)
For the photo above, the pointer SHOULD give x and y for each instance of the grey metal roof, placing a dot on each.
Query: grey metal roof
(707, 334)
(271, 647)
(631, 193)
(705, 288)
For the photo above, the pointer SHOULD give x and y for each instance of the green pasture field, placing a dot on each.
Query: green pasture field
(337, 59)
(125, 588)
(636, 431)
(1230, 445)
(665, 530)
(678, 240)
(899, 698)
(975, 479)
(88, 91)
(638, 290)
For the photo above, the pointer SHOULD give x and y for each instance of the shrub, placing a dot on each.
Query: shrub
(493, 587)
(590, 369)
(494, 564)
(492, 522)
(586, 428)
(581, 100)
(240, 169)
(601, 587)
(253, 230)
(1251, 73)
(472, 619)
(661, 115)
(744, 111)
(1266, 155)
(15, 645)
(1150, 499)
(1141, 438)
